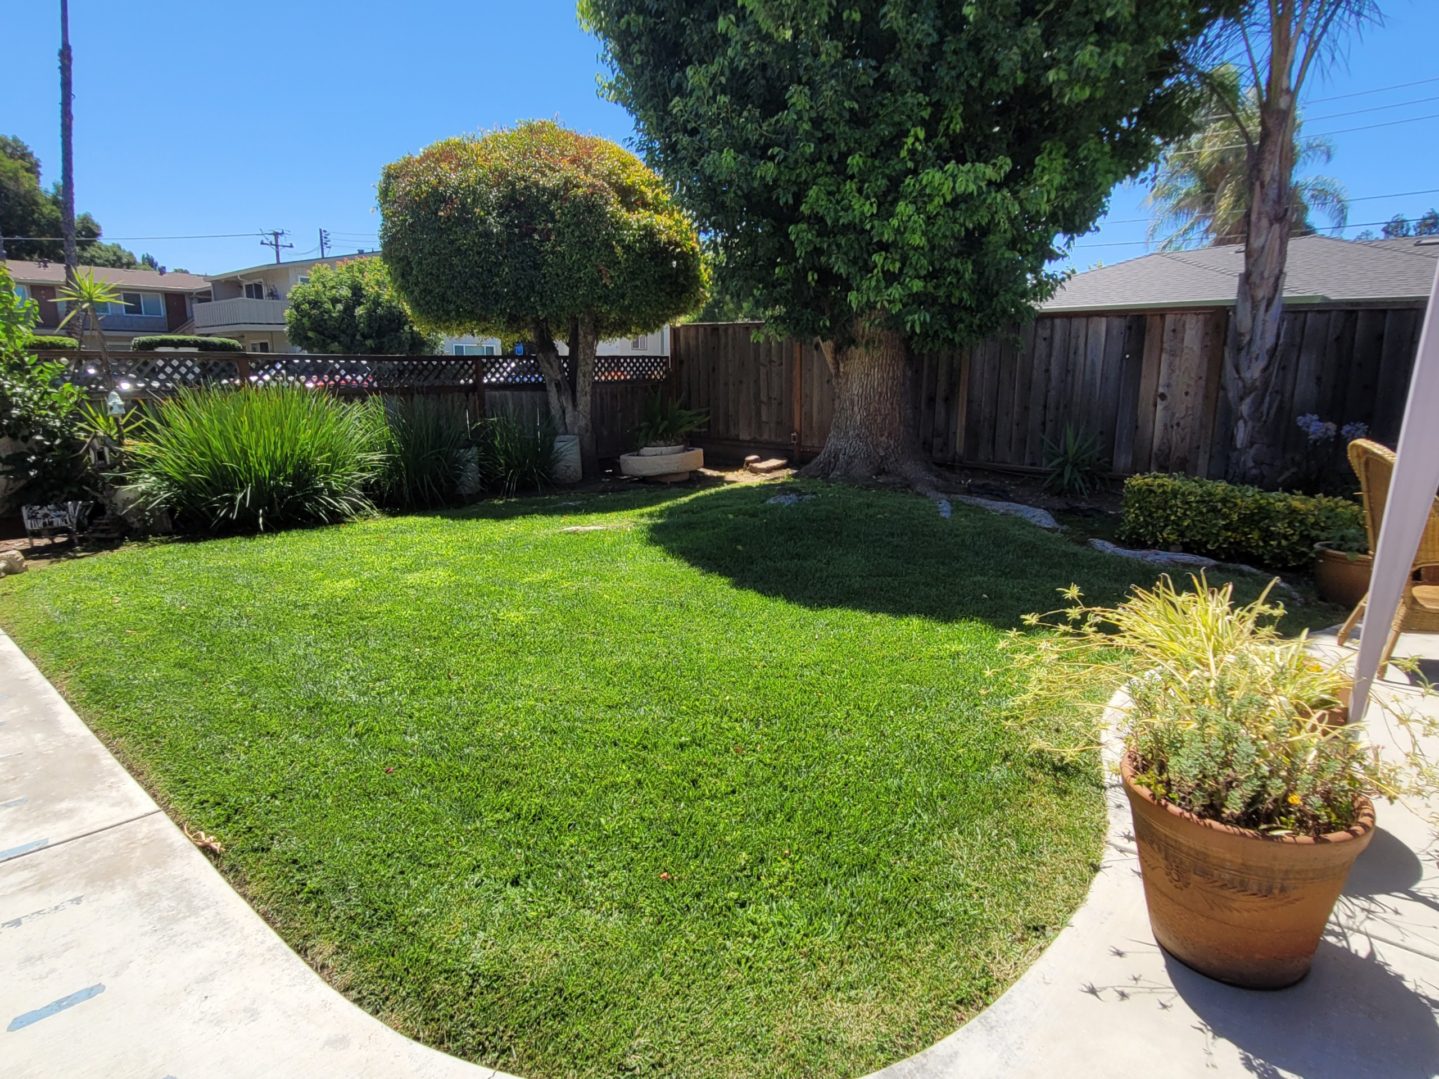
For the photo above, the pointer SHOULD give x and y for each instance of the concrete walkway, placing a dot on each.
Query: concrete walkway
(124, 953)
(1104, 1001)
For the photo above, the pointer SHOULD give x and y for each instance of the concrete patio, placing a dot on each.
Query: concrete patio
(127, 954)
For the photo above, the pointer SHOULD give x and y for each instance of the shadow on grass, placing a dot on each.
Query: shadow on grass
(887, 552)
(619, 498)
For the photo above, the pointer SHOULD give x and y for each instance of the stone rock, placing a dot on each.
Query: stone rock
(789, 498)
(753, 463)
(587, 528)
(945, 509)
(1156, 558)
(1033, 514)
(11, 562)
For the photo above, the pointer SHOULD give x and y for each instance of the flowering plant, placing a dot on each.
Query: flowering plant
(1225, 718)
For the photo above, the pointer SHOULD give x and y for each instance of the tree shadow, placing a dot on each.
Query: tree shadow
(618, 498)
(1351, 1016)
(887, 552)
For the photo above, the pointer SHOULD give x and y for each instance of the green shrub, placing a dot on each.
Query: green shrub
(256, 458)
(516, 453)
(42, 342)
(1232, 522)
(194, 342)
(424, 439)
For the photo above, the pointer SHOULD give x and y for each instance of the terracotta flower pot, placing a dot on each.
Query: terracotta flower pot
(1341, 577)
(1235, 904)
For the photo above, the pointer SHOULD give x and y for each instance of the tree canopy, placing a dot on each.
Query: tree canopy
(1200, 189)
(29, 210)
(536, 226)
(913, 162)
(353, 308)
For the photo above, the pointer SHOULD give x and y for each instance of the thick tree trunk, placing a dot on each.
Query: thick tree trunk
(570, 397)
(584, 341)
(1259, 304)
(872, 434)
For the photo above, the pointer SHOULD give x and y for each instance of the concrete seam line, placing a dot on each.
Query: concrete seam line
(83, 835)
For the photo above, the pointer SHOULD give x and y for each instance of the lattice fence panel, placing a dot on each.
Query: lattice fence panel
(632, 368)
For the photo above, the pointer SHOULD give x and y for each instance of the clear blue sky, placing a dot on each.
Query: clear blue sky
(194, 119)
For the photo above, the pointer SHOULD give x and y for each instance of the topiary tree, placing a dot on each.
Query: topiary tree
(353, 308)
(892, 177)
(540, 232)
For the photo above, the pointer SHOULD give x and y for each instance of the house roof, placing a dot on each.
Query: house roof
(1320, 269)
(53, 273)
(263, 266)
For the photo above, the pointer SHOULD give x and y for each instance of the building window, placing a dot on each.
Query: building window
(255, 290)
(472, 350)
(139, 303)
(639, 344)
(23, 291)
(259, 346)
(204, 297)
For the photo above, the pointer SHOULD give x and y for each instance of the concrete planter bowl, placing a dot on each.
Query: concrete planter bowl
(667, 464)
(1235, 904)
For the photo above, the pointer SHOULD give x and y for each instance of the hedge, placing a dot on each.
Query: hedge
(186, 341)
(1234, 523)
(43, 341)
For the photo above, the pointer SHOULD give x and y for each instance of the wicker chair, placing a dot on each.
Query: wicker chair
(1419, 607)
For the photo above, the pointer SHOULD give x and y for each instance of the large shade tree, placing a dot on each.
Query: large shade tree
(353, 308)
(888, 177)
(545, 233)
(30, 215)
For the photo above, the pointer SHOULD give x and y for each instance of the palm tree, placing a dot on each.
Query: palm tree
(1200, 189)
(83, 298)
(67, 144)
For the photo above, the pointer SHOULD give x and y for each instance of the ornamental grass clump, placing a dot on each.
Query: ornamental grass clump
(425, 440)
(256, 458)
(1225, 718)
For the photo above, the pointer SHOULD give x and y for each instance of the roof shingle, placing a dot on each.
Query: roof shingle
(1320, 269)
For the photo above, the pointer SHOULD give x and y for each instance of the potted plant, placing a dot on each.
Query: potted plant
(1342, 566)
(1251, 793)
(663, 452)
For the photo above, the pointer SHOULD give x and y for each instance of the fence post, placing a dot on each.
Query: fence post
(242, 368)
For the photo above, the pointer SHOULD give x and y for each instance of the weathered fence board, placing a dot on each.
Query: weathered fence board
(1148, 385)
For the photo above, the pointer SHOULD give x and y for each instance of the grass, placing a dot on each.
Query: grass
(713, 787)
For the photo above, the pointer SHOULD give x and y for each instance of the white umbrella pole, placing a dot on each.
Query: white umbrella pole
(1406, 510)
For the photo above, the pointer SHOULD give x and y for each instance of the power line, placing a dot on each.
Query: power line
(1376, 90)
(1371, 108)
(1321, 228)
(1311, 134)
(1357, 198)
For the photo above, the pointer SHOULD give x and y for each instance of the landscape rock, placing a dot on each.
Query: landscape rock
(1033, 514)
(1157, 558)
(787, 499)
(763, 467)
(11, 562)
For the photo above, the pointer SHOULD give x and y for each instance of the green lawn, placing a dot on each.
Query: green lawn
(718, 788)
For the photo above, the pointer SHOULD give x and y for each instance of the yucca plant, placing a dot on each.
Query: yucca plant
(256, 458)
(424, 440)
(1072, 464)
(516, 453)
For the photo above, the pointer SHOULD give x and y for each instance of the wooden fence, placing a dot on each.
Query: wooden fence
(1148, 385)
(487, 385)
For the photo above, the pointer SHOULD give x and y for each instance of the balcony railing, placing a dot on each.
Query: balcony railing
(241, 311)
